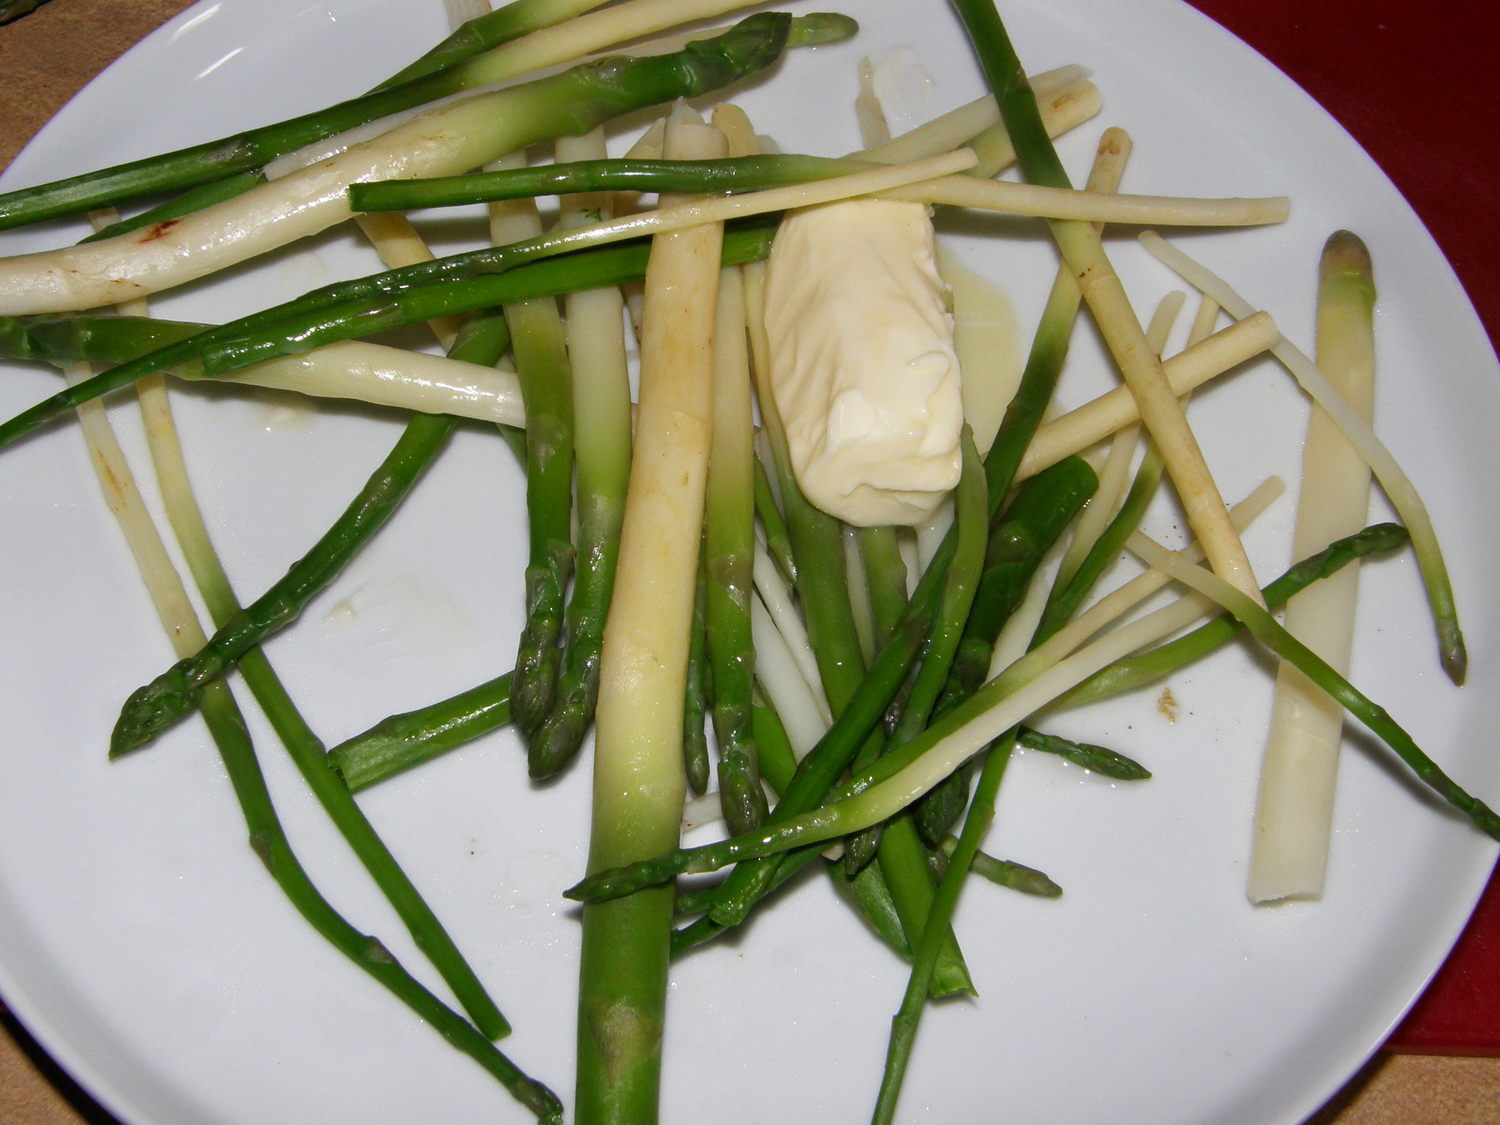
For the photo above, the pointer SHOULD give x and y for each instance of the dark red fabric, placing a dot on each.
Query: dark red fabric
(1410, 80)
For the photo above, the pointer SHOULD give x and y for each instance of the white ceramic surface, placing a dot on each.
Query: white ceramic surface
(143, 944)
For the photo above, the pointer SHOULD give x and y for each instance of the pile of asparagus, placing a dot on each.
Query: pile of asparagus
(649, 623)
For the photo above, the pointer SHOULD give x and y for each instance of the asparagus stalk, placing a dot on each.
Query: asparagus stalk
(601, 410)
(1100, 759)
(638, 773)
(539, 346)
(1294, 805)
(925, 955)
(732, 174)
(696, 767)
(754, 173)
(361, 371)
(1006, 872)
(399, 742)
(729, 546)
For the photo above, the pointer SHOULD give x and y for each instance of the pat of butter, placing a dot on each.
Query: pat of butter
(862, 366)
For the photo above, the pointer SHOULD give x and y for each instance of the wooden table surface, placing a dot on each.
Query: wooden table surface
(44, 59)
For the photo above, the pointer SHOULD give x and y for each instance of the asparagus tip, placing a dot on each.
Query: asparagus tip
(1455, 654)
(817, 28)
(1346, 259)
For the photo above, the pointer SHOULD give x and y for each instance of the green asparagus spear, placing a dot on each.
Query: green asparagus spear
(733, 173)
(546, 389)
(176, 692)
(695, 763)
(399, 742)
(1136, 671)
(271, 845)
(729, 562)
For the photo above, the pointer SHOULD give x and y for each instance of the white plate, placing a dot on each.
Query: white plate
(142, 943)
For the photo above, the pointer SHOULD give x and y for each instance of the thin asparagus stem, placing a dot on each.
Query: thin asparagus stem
(361, 371)
(1141, 669)
(924, 956)
(539, 347)
(1005, 872)
(729, 561)
(734, 173)
(601, 411)
(1099, 759)
(271, 845)
(638, 773)
(1375, 718)
(400, 742)
(695, 706)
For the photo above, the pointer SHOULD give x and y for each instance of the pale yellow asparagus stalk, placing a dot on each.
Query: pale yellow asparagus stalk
(1063, 96)
(638, 769)
(1080, 428)
(1114, 475)
(387, 376)
(163, 582)
(1038, 201)
(1294, 806)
